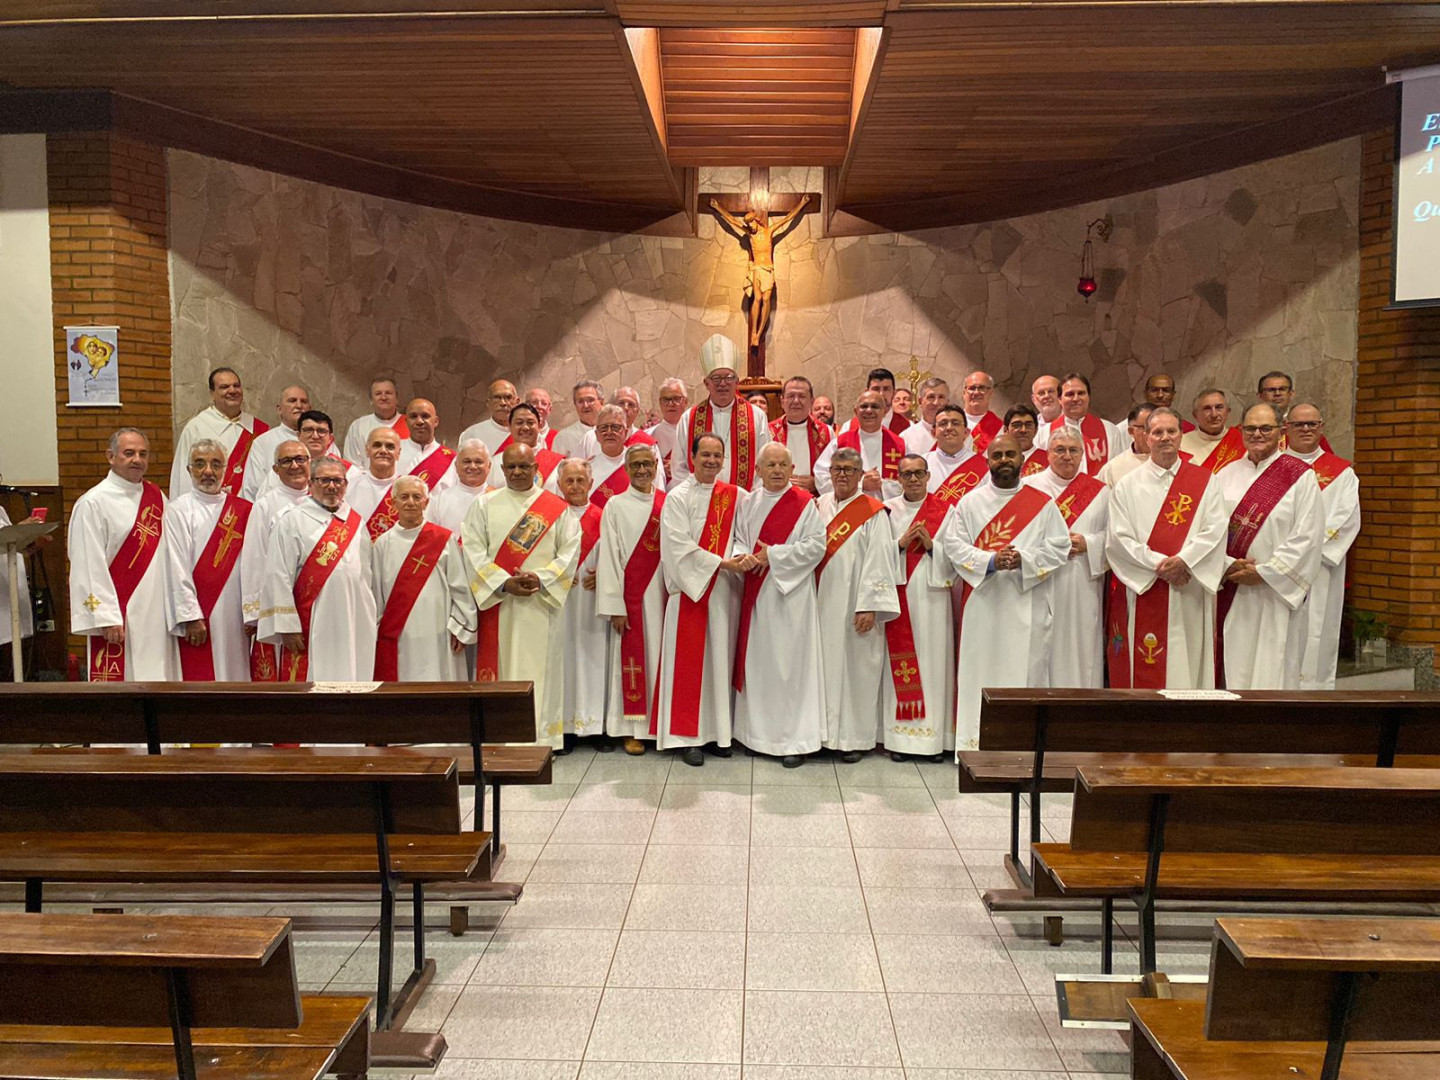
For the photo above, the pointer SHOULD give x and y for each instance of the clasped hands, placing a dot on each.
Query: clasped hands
(522, 583)
(917, 533)
(1243, 572)
(745, 564)
(1007, 558)
(1173, 571)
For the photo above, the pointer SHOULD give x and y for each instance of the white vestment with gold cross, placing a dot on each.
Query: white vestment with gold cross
(1340, 497)
(622, 525)
(190, 521)
(444, 606)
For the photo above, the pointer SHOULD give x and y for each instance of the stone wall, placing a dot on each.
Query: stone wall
(1214, 281)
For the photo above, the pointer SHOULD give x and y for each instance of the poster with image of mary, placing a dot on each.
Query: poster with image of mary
(92, 360)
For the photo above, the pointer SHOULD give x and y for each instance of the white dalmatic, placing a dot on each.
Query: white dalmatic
(1135, 504)
(622, 528)
(267, 510)
(927, 600)
(531, 628)
(781, 707)
(665, 436)
(1006, 632)
(27, 622)
(261, 462)
(341, 642)
(588, 642)
(872, 456)
(448, 509)
(1077, 648)
(689, 571)
(364, 491)
(99, 523)
(209, 423)
(606, 471)
(1267, 626)
(568, 440)
(861, 576)
(488, 432)
(191, 520)
(1340, 499)
(443, 608)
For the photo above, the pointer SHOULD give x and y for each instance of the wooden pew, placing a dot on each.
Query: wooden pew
(462, 717)
(1032, 741)
(264, 816)
(1289, 997)
(124, 996)
(1235, 834)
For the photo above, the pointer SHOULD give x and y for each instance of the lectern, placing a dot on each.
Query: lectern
(13, 540)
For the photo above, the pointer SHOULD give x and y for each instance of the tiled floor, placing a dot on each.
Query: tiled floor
(740, 919)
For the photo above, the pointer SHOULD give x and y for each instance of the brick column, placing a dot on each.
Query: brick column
(1395, 564)
(109, 266)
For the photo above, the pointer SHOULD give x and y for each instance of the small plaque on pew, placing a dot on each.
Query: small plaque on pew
(1199, 695)
(1098, 1001)
(344, 687)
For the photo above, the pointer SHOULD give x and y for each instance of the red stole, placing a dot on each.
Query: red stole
(1021, 508)
(776, 530)
(1230, 448)
(899, 423)
(1251, 512)
(1095, 440)
(1327, 467)
(433, 466)
(892, 450)
(1037, 462)
(545, 462)
(1152, 607)
(844, 525)
(639, 572)
(988, 427)
(1077, 497)
(640, 437)
(430, 470)
(817, 434)
(589, 534)
(549, 442)
(742, 439)
(425, 552)
(399, 426)
(217, 562)
(127, 569)
(324, 557)
(962, 480)
(611, 486)
(900, 634)
(692, 624)
(239, 455)
(529, 529)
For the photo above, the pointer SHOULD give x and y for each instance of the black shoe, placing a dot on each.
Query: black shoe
(792, 761)
(604, 745)
(566, 749)
(938, 758)
(692, 755)
(899, 757)
(720, 751)
(749, 752)
(850, 757)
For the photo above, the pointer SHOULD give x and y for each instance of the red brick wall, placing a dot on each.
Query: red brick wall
(1395, 564)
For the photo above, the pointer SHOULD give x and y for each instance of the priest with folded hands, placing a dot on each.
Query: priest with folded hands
(588, 644)
(291, 473)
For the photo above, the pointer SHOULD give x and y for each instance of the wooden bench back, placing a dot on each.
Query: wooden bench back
(262, 713)
(260, 791)
(101, 974)
(1260, 722)
(1287, 993)
(1273, 811)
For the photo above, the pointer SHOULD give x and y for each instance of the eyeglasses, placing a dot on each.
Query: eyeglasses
(723, 380)
(328, 481)
(1304, 425)
(1022, 425)
(671, 399)
(311, 429)
(609, 429)
(843, 470)
(911, 474)
(299, 459)
(978, 389)
(1259, 429)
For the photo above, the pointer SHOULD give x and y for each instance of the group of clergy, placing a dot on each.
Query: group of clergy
(721, 578)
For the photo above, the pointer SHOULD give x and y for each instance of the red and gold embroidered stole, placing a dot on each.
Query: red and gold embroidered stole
(424, 556)
(1230, 447)
(239, 455)
(742, 439)
(127, 570)
(891, 450)
(213, 569)
(612, 485)
(988, 427)
(817, 435)
(962, 480)
(1037, 462)
(1077, 497)
(639, 572)
(775, 530)
(529, 529)
(900, 633)
(430, 470)
(846, 524)
(1327, 467)
(324, 557)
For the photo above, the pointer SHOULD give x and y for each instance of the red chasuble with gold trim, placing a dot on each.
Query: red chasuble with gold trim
(846, 524)
(776, 530)
(900, 634)
(891, 450)
(127, 570)
(239, 455)
(639, 572)
(816, 434)
(415, 571)
(213, 569)
(528, 530)
(742, 439)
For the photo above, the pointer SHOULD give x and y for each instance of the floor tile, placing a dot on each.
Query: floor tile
(526, 1022)
(453, 1068)
(816, 1028)
(617, 797)
(911, 801)
(814, 773)
(987, 869)
(667, 1025)
(899, 831)
(933, 964)
(791, 830)
(552, 796)
(519, 858)
(528, 826)
(990, 1074)
(454, 958)
(656, 1070)
(620, 767)
(695, 864)
(705, 798)
(803, 866)
(693, 827)
(1039, 962)
(972, 1031)
(927, 911)
(615, 863)
(732, 770)
(821, 1072)
(680, 959)
(569, 905)
(940, 868)
(877, 770)
(603, 827)
(807, 909)
(781, 799)
(687, 907)
(983, 831)
(320, 954)
(811, 962)
(526, 956)
(1084, 1050)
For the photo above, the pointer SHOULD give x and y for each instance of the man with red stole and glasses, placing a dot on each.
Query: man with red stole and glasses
(693, 703)
(1101, 439)
(741, 427)
(291, 473)
(523, 547)
(805, 436)
(1277, 528)
(1166, 548)
(878, 446)
(317, 605)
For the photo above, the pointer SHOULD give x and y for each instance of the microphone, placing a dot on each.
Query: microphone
(6, 489)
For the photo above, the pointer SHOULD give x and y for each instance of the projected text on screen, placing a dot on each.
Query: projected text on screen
(1417, 193)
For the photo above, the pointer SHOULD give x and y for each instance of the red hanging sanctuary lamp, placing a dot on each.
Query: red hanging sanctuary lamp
(1102, 227)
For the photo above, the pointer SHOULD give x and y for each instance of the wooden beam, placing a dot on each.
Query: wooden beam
(870, 44)
(640, 49)
(55, 111)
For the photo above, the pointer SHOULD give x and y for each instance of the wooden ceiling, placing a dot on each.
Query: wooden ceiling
(950, 111)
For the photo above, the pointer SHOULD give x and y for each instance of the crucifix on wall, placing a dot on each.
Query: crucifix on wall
(748, 219)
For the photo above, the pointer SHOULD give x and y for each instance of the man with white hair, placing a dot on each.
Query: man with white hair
(630, 592)
(294, 400)
(494, 430)
(117, 545)
(318, 606)
(225, 421)
(1213, 443)
(741, 427)
(855, 583)
(422, 590)
(472, 470)
(207, 535)
(1076, 650)
(587, 397)
(982, 423)
(778, 678)
(368, 492)
(607, 460)
(666, 433)
(522, 547)
(587, 642)
(538, 398)
(919, 437)
(628, 402)
(385, 412)
(1045, 396)
(291, 487)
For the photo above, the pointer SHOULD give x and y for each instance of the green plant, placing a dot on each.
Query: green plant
(1367, 625)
